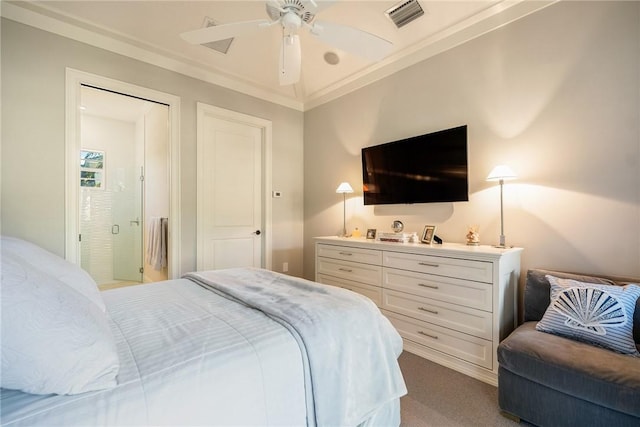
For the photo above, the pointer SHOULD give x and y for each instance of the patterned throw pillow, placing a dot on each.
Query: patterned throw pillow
(595, 314)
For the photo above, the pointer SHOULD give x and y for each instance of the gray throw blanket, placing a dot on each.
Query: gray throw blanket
(351, 349)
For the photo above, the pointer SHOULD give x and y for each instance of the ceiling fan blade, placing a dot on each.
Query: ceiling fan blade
(290, 60)
(352, 40)
(275, 4)
(225, 31)
(316, 6)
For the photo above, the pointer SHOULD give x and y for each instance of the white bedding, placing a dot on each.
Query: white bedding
(350, 348)
(189, 356)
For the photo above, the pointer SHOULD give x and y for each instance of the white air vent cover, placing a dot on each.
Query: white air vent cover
(221, 46)
(405, 12)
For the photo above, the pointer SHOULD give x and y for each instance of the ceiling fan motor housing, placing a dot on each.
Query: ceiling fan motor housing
(291, 22)
(278, 9)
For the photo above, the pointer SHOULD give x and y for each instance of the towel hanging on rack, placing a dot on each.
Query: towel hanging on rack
(157, 243)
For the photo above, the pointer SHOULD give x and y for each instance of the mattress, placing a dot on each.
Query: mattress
(188, 356)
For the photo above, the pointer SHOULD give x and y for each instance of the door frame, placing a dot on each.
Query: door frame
(75, 79)
(266, 128)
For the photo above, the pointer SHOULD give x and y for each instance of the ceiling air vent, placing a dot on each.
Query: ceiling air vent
(405, 12)
(221, 46)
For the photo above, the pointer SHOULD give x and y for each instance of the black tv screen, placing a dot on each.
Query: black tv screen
(428, 168)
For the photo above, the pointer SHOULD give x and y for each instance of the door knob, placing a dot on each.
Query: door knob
(257, 232)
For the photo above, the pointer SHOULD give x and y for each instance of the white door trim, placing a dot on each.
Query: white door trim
(266, 128)
(74, 80)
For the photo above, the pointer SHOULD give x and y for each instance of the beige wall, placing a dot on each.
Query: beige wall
(554, 95)
(33, 139)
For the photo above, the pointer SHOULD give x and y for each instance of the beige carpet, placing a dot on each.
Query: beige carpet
(442, 397)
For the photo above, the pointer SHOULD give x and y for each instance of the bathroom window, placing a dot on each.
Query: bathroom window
(92, 169)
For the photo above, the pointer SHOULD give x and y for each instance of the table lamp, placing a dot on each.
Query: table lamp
(501, 173)
(344, 188)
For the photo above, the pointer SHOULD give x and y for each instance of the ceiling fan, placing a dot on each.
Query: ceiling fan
(292, 15)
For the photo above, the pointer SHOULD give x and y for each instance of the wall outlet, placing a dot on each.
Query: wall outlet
(276, 194)
(285, 267)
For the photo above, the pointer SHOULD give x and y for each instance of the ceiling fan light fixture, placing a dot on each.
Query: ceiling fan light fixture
(290, 60)
(291, 22)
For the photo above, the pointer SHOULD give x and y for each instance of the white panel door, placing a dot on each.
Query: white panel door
(229, 193)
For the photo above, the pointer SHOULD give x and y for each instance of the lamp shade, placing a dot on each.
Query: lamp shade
(501, 172)
(344, 188)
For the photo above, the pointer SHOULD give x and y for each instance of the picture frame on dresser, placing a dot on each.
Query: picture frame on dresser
(428, 233)
(371, 233)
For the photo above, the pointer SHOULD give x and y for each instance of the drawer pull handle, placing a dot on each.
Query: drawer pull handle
(428, 310)
(348, 270)
(427, 286)
(428, 264)
(346, 253)
(435, 337)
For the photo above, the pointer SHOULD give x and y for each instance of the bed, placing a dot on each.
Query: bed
(227, 347)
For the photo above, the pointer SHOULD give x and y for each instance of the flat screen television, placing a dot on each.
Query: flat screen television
(427, 168)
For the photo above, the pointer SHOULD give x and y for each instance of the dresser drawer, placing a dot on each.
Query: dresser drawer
(367, 256)
(456, 317)
(374, 293)
(471, 349)
(456, 291)
(364, 273)
(479, 271)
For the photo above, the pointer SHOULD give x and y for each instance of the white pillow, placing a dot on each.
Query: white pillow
(54, 266)
(54, 340)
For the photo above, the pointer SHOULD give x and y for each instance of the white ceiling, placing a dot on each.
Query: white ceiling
(250, 66)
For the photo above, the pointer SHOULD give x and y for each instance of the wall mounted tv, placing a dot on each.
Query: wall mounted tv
(428, 168)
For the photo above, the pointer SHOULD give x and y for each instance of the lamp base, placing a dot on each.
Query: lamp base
(501, 246)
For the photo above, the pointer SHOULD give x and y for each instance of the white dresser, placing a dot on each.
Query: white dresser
(452, 303)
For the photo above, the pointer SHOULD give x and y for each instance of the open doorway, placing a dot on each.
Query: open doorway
(139, 180)
(124, 188)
